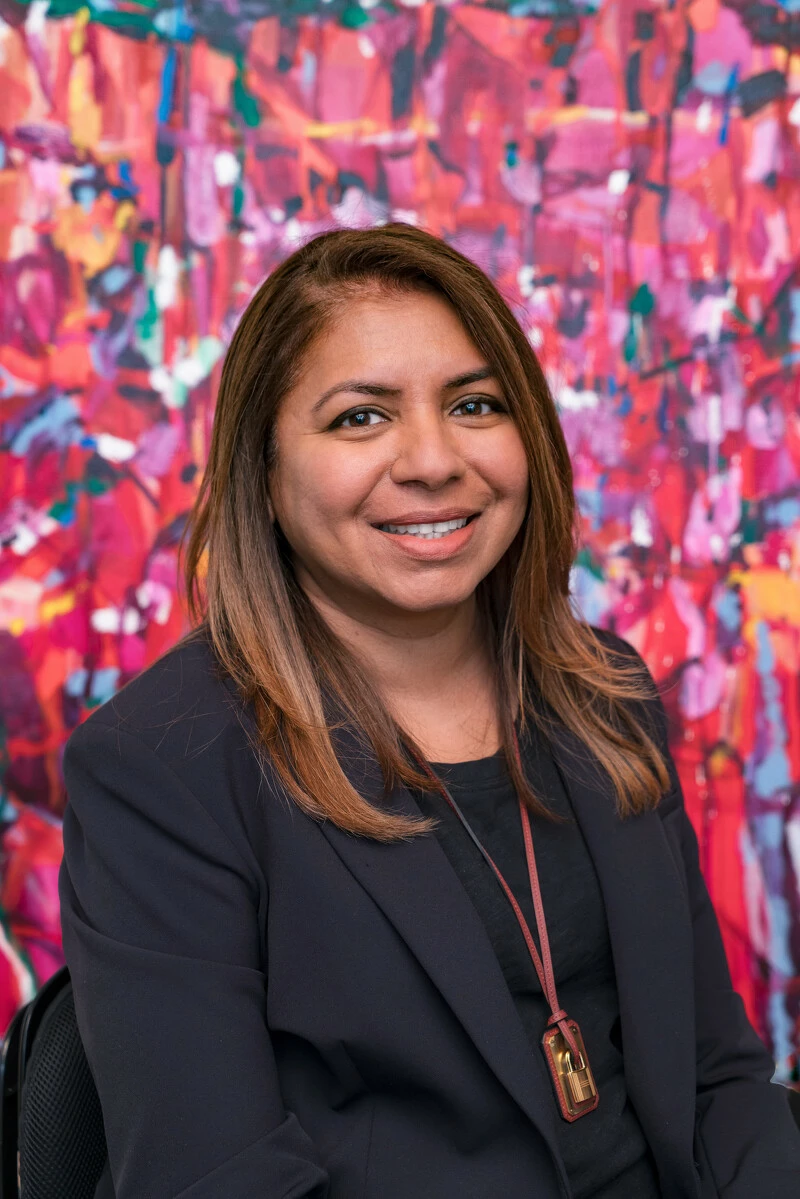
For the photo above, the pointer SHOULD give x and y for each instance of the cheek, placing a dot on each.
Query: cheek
(506, 470)
(327, 489)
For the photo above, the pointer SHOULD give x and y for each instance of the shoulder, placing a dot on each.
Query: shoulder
(617, 645)
(179, 727)
(650, 708)
(181, 700)
(625, 654)
(182, 680)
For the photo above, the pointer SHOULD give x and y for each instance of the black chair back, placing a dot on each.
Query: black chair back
(52, 1141)
(794, 1104)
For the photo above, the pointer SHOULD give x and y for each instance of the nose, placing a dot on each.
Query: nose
(427, 451)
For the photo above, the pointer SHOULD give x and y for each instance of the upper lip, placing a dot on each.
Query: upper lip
(429, 518)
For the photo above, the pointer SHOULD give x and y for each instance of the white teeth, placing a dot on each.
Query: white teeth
(428, 532)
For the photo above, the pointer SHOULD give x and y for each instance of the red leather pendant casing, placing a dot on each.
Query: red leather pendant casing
(573, 1082)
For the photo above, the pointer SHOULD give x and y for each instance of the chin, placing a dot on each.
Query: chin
(431, 602)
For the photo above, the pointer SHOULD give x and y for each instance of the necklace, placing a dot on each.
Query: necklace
(562, 1043)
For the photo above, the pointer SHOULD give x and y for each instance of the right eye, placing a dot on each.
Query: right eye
(359, 417)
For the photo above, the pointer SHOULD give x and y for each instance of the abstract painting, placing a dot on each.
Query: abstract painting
(626, 170)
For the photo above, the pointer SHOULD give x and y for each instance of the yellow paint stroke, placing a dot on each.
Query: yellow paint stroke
(582, 112)
(84, 115)
(359, 127)
(77, 38)
(89, 238)
(60, 605)
(769, 595)
(535, 118)
(124, 214)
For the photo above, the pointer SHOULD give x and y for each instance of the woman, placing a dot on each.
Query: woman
(316, 856)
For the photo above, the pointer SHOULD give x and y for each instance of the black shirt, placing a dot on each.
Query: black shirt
(605, 1152)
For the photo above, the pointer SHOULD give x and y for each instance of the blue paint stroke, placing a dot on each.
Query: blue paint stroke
(728, 608)
(56, 425)
(772, 773)
(770, 778)
(733, 81)
(590, 502)
(167, 86)
(127, 188)
(794, 308)
(713, 79)
(783, 512)
(173, 24)
(588, 596)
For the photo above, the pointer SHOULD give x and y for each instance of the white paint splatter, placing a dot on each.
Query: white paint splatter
(167, 275)
(641, 528)
(618, 182)
(114, 449)
(704, 115)
(226, 168)
(571, 400)
(105, 620)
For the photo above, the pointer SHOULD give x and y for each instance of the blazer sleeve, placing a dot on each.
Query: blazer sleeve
(161, 936)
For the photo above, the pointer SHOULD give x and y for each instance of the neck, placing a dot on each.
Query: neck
(433, 670)
(417, 657)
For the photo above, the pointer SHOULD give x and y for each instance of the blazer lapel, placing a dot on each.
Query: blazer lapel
(418, 891)
(651, 938)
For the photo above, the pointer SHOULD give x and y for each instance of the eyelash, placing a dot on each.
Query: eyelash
(494, 404)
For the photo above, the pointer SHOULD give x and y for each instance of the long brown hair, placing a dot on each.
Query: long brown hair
(287, 663)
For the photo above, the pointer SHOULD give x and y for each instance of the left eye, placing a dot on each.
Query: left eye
(360, 418)
(473, 407)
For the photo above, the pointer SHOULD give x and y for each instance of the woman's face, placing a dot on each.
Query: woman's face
(400, 479)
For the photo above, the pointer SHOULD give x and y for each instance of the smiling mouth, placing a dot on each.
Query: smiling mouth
(428, 532)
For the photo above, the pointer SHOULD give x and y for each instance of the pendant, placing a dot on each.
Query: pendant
(576, 1090)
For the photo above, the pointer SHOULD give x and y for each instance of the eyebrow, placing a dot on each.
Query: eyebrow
(365, 388)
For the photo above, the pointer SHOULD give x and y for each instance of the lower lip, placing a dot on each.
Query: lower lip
(437, 549)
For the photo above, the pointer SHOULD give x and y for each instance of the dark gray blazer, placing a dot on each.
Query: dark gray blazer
(272, 1008)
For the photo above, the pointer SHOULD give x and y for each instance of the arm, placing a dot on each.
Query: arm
(161, 936)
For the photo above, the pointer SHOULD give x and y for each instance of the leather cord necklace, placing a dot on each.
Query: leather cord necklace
(564, 1050)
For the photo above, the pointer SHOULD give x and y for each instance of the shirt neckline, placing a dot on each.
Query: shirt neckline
(474, 774)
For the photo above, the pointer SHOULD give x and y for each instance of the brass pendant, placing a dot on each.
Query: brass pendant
(575, 1087)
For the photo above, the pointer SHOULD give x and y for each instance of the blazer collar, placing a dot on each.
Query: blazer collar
(653, 950)
(419, 893)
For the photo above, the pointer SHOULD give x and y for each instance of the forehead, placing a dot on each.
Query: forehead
(407, 333)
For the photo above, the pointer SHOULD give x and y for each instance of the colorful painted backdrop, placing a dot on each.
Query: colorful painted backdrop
(628, 174)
